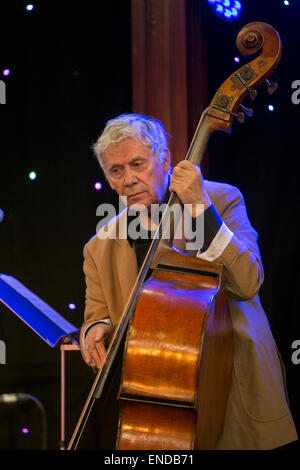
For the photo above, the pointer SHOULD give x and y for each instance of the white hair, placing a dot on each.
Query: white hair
(149, 131)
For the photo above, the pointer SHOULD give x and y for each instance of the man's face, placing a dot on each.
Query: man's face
(134, 171)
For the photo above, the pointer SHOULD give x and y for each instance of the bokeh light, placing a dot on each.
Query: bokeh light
(32, 175)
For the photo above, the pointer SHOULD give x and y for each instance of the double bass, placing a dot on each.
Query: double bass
(176, 326)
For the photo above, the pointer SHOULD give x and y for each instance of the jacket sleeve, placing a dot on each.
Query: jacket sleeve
(243, 270)
(95, 303)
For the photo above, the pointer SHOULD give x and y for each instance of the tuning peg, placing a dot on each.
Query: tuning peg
(252, 94)
(240, 117)
(272, 87)
(252, 91)
(248, 111)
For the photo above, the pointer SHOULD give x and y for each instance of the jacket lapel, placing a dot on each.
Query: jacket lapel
(125, 261)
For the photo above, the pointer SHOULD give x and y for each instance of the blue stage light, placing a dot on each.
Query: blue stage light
(227, 9)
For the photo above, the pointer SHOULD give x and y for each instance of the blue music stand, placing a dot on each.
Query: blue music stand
(39, 316)
(45, 322)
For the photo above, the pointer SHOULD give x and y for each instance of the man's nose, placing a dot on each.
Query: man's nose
(130, 177)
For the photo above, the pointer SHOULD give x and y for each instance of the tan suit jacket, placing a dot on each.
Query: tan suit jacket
(258, 415)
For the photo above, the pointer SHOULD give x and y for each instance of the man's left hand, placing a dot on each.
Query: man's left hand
(187, 183)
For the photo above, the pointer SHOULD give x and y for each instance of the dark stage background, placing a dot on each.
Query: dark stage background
(70, 71)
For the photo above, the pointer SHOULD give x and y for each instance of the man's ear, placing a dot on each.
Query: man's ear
(111, 183)
(108, 179)
(166, 163)
(104, 170)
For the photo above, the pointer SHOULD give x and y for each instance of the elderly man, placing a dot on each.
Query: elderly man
(134, 155)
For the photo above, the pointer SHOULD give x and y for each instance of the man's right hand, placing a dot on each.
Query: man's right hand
(94, 346)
